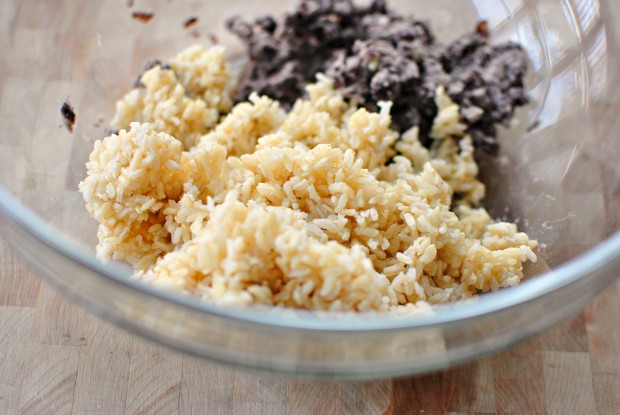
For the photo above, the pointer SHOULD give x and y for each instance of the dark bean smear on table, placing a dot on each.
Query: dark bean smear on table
(375, 54)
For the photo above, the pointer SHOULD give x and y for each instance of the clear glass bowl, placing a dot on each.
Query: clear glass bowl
(557, 175)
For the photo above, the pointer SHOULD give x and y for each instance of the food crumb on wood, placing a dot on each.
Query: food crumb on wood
(144, 17)
(190, 22)
(68, 115)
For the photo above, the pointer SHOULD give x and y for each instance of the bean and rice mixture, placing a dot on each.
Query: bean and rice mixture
(320, 204)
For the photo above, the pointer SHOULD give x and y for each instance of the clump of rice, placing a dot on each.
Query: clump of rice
(184, 99)
(246, 123)
(252, 253)
(323, 208)
(132, 176)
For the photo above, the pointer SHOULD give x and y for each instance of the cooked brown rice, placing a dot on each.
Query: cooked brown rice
(251, 204)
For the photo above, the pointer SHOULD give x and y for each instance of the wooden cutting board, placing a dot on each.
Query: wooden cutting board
(55, 358)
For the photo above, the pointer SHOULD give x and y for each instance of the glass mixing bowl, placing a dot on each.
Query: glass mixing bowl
(557, 175)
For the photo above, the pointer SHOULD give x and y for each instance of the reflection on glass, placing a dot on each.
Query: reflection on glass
(597, 62)
(588, 12)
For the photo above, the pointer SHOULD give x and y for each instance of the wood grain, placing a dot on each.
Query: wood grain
(469, 388)
(50, 377)
(15, 328)
(567, 390)
(103, 371)
(206, 388)
(154, 380)
(55, 358)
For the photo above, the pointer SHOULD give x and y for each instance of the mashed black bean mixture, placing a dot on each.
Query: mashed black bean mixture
(375, 54)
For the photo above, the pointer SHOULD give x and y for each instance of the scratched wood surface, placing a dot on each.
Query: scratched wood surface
(55, 358)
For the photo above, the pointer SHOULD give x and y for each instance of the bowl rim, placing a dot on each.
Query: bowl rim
(595, 259)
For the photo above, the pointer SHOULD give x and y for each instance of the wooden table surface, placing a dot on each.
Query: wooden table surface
(55, 358)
